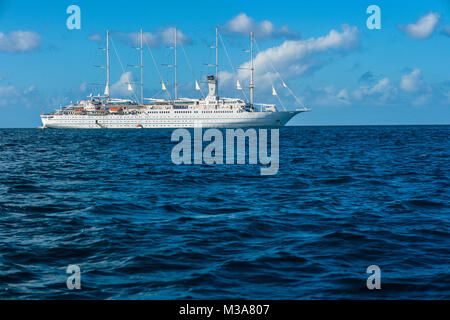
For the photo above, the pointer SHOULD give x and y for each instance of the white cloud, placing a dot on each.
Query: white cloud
(423, 28)
(343, 95)
(167, 36)
(164, 36)
(11, 95)
(384, 91)
(382, 86)
(326, 96)
(294, 57)
(95, 37)
(83, 87)
(19, 41)
(120, 88)
(421, 100)
(410, 90)
(243, 24)
(30, 89)
(7, 91)
(412, 82)
(134, 38)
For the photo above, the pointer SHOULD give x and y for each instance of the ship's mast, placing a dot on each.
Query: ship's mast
(107, 64)
(142, 68)
(175, 65)
(251, 69)
(217, 60)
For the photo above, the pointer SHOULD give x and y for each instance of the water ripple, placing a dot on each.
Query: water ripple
(140, 227)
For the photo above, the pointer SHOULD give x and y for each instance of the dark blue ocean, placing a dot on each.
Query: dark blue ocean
(140, 227)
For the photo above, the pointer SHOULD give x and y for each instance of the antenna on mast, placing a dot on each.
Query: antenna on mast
(213, 80)
(252, 85)
(252, 68)
(142, 67)
(175, 65)
(217, 60)
(107, 64)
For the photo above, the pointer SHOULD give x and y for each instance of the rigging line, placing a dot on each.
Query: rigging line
(156, 67)
(289, 89)
(157, 93)
(190, 68)
(270, 78)
(121, 65)
(231, 64)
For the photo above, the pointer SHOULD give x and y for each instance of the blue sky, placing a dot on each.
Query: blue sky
(323, 50)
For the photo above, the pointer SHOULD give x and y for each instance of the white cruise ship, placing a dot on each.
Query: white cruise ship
(210, 112)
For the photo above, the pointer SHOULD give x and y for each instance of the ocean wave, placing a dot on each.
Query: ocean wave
(142, 227)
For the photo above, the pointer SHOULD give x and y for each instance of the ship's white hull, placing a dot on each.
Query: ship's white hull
(170, 119)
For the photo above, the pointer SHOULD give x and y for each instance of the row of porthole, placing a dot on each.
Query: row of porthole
(144, 120)
(114, 120)
(188, 112)
(127, 122)
(77, 119)
(175, 112)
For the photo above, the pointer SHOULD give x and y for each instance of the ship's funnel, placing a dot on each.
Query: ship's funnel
(212, 85)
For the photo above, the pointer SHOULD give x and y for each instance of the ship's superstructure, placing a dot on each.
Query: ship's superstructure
(211, 111)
